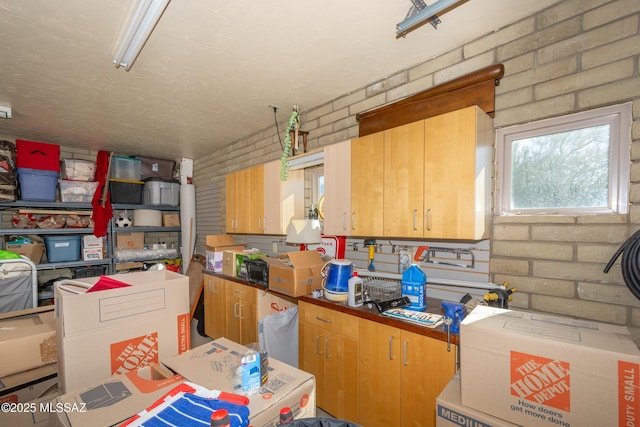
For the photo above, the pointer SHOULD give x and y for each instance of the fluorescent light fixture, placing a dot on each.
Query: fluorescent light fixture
(417, 19)
(144, 20)
(305, 160)
(5, 112)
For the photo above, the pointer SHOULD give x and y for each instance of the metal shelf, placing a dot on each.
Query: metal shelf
(144, 229)
(20, 231)
(69, 264)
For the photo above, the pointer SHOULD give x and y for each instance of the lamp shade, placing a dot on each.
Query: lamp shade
(304, 231)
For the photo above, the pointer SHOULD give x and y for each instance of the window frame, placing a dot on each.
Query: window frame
(618, 116)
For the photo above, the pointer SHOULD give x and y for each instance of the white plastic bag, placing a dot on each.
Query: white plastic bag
(279, 335)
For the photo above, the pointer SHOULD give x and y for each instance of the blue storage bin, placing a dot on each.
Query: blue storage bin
(62, 248)
(37, 184)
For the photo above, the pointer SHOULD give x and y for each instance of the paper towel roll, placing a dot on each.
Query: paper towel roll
(187, 222)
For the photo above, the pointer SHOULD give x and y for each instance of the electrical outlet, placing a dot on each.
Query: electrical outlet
(275, 247)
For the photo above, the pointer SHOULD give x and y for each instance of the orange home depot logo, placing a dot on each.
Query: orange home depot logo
(541, 380)
(134, 353)
(628, 394)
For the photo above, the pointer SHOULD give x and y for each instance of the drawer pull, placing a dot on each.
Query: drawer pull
(404, 356)
(324, 320)
(391, 347)
(317, 340)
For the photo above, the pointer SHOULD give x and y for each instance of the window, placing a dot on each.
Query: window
(575, 164)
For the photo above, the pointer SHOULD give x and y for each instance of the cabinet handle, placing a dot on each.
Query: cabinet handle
(240, 311)
(404, 351)
(415, 214)
(353, 221)
(391, 347)
(428, 218)
(326, 348)
(317, 340)
(235, 309)
(238, 291)
(324, 320)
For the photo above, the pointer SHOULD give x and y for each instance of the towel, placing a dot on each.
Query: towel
(102, 212)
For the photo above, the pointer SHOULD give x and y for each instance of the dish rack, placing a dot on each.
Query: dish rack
(378, 286)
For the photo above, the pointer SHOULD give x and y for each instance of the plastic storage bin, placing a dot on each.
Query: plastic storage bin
(77, 191)
(158, 192)
(38, 185)
(37, 155)
(125, 168)
(62, 248)
(156, 168)
(77, 170)
(126, 191)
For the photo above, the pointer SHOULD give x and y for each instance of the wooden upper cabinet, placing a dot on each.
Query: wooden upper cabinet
(337, 189)
(457, 191)
(367, 185)
(256, 200)
(404, 180)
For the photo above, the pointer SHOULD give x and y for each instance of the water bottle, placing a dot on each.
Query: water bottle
(355, 297)
(414, 287)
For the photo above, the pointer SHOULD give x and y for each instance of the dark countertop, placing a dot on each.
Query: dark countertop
(433, 306)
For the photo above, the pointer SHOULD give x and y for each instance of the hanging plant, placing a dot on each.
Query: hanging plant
(294, 124)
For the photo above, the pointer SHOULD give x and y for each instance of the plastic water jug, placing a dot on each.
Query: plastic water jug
(414, 286)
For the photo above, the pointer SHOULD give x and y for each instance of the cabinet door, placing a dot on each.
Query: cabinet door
(404, 180)
(457, 174)
(427, 367)
(379, 357)
(215, 310)
(341, 373)
(256, 200)
(231, 202)
(282, 199)
(311, 356)
(367, 184)
(242, 325)
(337, 189)
(243, 200)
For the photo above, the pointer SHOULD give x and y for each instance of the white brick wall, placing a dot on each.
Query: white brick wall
(576, 55)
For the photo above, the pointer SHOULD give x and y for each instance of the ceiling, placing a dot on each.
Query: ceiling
(211, 67)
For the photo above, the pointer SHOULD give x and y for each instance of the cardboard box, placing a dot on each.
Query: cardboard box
(300, 278)
(91, 241)
(539, 370)
(32, 251)
(130, 240)
(171, 220)
(216, 245)
(27, 340)
(211, 365)
(92, 254)
(451, 413)
(30, 385)
(119, 330)
(114, 399)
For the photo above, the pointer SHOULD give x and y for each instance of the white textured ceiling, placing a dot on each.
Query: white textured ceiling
(210, 68)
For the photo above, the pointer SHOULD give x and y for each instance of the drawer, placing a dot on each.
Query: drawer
(240, 291)
(329, 319)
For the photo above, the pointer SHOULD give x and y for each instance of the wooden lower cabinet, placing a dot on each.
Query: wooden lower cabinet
(230, 310)
(400, 375)
(328, 343)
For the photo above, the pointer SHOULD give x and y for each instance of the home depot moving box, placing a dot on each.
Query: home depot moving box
(27, 339)
(216, 245)
(212, 366)
(29, 385)
(451, 413)
(539, 370)
(296, 273)
(114, 399)
(119, 330)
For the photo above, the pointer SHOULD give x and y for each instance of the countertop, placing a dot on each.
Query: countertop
(433, 306)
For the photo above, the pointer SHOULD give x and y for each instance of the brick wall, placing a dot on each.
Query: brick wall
(576, 55)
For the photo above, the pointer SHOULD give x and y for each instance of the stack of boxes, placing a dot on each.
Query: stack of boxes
(522, 368)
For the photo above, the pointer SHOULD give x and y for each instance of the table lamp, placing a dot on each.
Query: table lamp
(304, 232)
